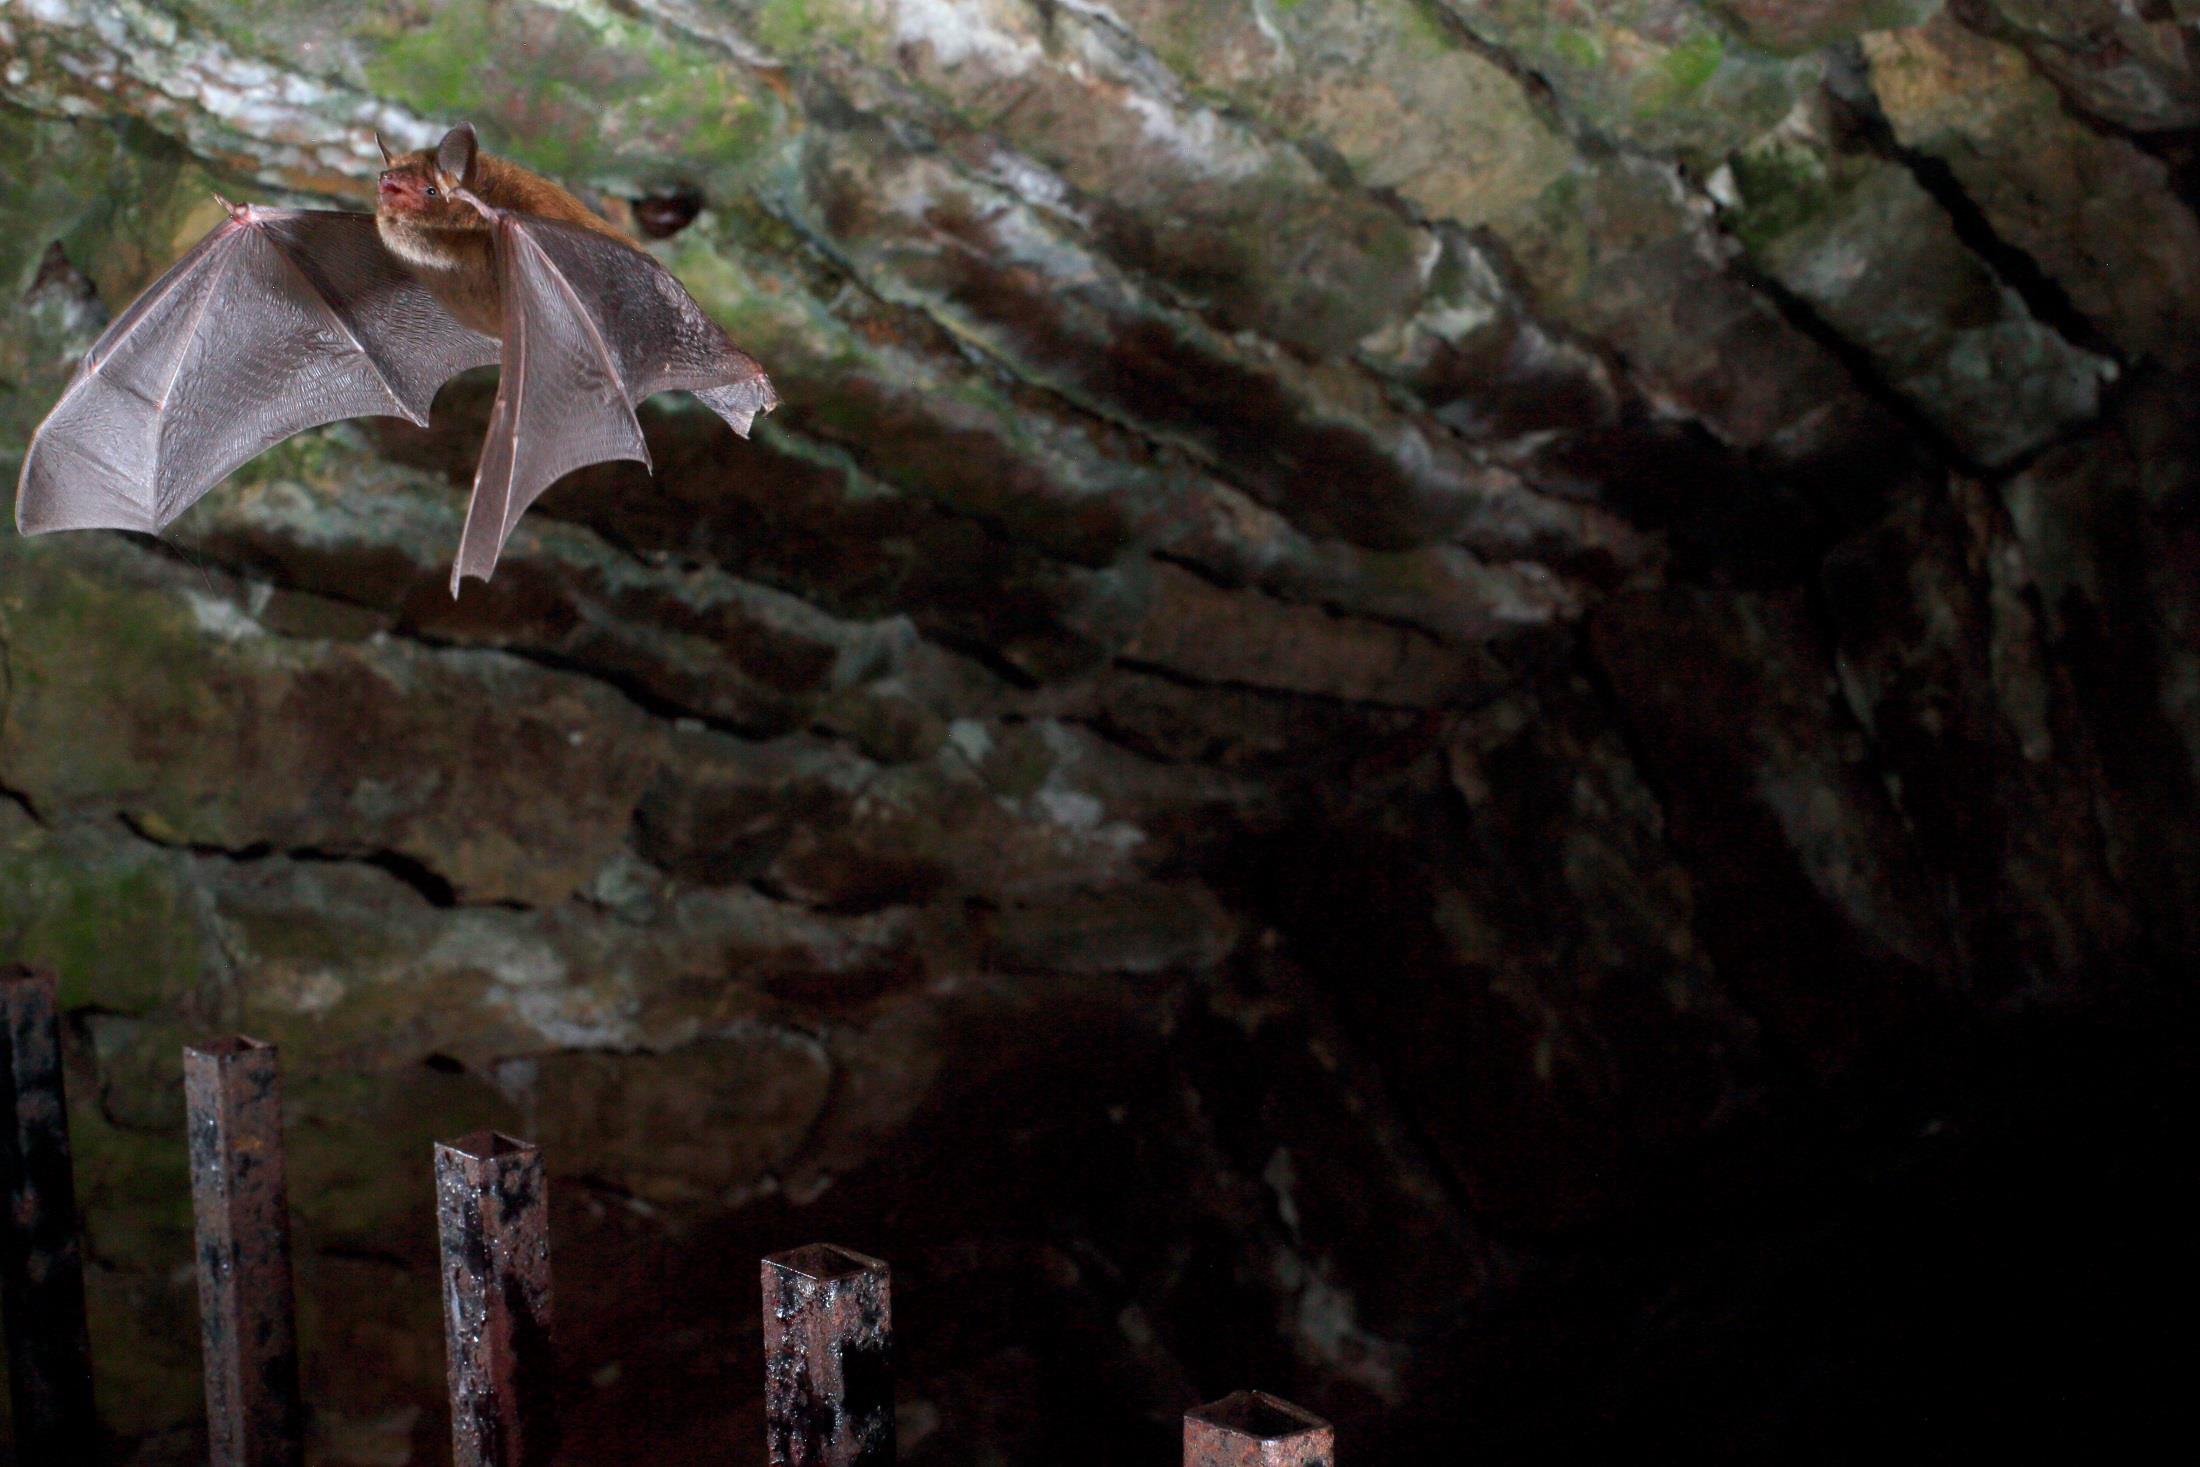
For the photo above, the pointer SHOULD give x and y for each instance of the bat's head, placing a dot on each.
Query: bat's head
(422, 187)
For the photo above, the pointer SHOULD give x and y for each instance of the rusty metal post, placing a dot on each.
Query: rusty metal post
(492, 1208)
(42, 1272)
(1255, 1429)
(828, 1359)
(233, 1107)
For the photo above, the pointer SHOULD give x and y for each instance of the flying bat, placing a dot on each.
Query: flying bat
(283, 319)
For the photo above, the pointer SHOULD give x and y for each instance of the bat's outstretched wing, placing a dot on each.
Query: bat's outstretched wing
(278, 321)
(592, 325)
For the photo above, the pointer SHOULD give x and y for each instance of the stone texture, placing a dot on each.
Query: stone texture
(2095, 211)
(1808, 881)
(1319, 445)
(674, 1113)
(1655, 74)
(2040, 899)
(1788, 26)
(2124, 62)
(1355, 76)
(1871, 251)
(1444, 706)
(722, 649)
(1623, 253)
(1211, 635)
(233, 739)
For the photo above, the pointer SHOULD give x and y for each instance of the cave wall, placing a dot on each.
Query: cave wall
(1381, 645)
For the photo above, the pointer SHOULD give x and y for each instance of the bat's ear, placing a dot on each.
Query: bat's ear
(454, 156)
(387, 160)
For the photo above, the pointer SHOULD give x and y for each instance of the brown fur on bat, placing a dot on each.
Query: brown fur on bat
(447, 242)
(283, 319)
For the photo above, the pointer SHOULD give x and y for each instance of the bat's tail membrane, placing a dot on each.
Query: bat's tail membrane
(592, 325)
(740, 403)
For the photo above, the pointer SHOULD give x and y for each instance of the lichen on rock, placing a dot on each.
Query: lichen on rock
(1377, 638)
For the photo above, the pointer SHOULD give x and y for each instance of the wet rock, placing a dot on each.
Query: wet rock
(1250, 231)
(355, 973)
(1320, 446)
(1355, 76)
(1660, 75)
(2102, 527)
(2113, 58)
(1446, 590)
(700, 1122)
(1788, 26)
(1200, 631)
(1003, 811)
(1947, 666)
(1139, 928)
(2093, 210)
(1420, 677)
(224, 735)
(721, 813)
(112, 920)
(1941, 329)
(1482, 362)
(698, 641)
(1621, 252)
(1806, 880)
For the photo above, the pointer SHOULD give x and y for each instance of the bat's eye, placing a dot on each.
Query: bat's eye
(431, 190)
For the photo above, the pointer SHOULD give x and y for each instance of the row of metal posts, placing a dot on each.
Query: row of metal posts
(828, 1316)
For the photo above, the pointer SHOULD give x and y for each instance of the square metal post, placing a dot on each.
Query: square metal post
(42, 1270)
(492, 1209)
(828, 1359)
(1255, 1429)
(233, 1104)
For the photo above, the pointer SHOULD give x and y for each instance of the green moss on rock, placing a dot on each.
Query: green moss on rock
(1683, 73)
(1782, 187)
(117, 928)
(360, 1144)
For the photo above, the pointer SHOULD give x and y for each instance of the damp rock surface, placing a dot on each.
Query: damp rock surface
(1431, 704)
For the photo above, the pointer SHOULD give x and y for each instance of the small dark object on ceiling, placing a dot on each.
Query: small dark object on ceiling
(664, 212)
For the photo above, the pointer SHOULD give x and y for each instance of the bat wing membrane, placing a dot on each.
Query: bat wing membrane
(592, 325)
(278, 321)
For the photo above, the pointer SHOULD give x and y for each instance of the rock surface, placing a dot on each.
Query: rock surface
(1397, 668)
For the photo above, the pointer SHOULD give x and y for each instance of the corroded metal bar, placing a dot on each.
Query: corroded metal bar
(1255, 1429)
(233, 1105)
(492, 1208)
(828, 1359)
(42, 1272)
